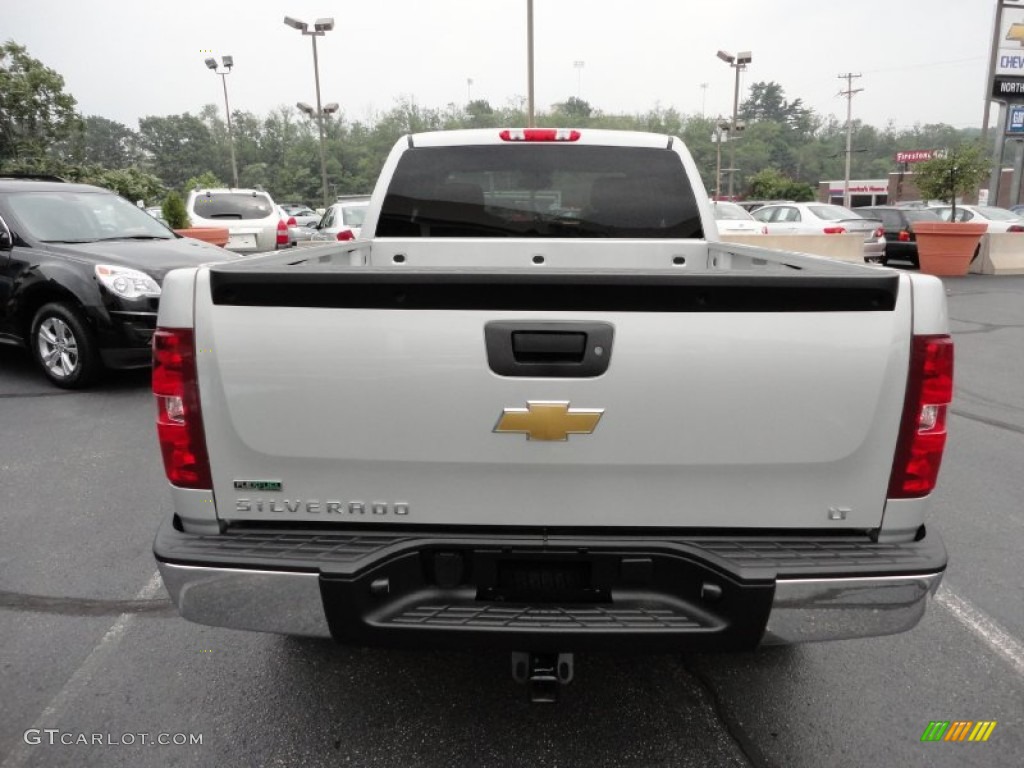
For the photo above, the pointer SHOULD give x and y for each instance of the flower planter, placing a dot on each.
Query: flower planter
(947, 247)
(213, 235)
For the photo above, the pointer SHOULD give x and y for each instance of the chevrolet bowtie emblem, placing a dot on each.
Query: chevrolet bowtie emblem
(541, 420)
(1016, 33)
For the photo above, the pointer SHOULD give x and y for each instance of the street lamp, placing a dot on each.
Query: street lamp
(579, 77)
(228, 62)
(721, 133)
(739, 63)
(320, 28)
(469, 90)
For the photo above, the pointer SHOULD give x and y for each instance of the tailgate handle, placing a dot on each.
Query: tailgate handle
(544, 349)
(548, 346)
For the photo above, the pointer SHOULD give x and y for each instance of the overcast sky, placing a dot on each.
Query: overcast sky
(922, 61)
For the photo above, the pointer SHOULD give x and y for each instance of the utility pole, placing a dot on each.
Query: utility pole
(703, 98)
(529, 63)
(849, 94)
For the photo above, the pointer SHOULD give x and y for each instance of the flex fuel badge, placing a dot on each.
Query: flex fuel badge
(258, 485)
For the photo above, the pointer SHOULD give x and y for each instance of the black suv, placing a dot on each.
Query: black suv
(80, 276)
(900, 242)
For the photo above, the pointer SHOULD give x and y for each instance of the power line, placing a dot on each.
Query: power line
(925, 64)
(849, 94)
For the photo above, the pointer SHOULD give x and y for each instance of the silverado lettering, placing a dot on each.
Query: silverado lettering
(313, 507)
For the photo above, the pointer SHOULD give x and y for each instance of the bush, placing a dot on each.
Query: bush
(174, 211)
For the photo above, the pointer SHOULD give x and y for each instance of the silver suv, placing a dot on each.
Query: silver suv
(251, 217)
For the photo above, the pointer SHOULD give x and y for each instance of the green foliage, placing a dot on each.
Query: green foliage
(770, 184)
(130, 183)
(174, 211)
(181, 146)
(205, 180)
(35, 112)
(957, 173)
(109, 143)
(574, 112)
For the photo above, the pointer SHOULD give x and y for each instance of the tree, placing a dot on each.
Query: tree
(480, 114)
(130, 183)
(109, 143)
(767, 103)
(205, 180)
(35, 112)
(179, 146)
(573, 111)
(957, 172)
(174, 211)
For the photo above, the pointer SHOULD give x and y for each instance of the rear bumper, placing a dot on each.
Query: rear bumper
(553, 593)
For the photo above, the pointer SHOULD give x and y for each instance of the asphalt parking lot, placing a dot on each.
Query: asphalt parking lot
(90, 645)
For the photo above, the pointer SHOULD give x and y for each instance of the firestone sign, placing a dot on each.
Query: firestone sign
(917, 155)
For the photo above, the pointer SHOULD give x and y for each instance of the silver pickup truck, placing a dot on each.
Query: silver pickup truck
(540, 407)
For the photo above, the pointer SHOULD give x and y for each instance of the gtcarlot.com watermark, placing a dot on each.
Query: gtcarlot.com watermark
(55, 736)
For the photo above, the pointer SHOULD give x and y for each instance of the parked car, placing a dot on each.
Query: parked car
(343, 220)
(823, 218)
(732, 219)
(157, 213)
(250, 215)
(81, 271)
(303, 214)
(295, 232)
(752, 205)
(998, 219)
(900, 241)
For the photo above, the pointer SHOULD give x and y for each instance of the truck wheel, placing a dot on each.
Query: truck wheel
(63, 347)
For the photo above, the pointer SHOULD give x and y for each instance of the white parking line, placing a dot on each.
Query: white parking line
(53, 711)
(976, 620)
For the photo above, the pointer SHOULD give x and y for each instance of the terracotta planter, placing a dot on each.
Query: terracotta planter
(947, 247)
(213, 235)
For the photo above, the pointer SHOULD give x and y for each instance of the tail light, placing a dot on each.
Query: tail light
(879, 232)
(292, 222)
(1015, 228)
(539, 134)
(835, 230)
(282, 232)
(764, 230)
(904, 236)
(346, 234)
(922, 437)
(179, 421)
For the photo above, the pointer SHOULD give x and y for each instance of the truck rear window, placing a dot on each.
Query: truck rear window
(540, 190)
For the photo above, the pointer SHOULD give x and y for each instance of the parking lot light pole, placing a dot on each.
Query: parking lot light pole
(320, 28)
(718, 136)
(228, 62)
(739, 63)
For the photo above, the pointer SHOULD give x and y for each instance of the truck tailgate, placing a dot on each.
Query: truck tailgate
(727, 400)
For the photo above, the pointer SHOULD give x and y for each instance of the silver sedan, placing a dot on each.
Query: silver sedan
(823, 218)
